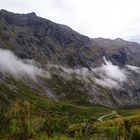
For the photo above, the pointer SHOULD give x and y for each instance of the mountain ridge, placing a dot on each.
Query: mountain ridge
(52, 39)
(74, 61)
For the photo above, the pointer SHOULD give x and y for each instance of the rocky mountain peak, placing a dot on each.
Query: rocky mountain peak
(34, 37)
(47, 43)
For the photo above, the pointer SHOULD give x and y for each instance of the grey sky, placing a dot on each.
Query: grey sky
(95, 18)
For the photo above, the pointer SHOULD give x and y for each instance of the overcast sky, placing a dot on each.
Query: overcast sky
(95, 18)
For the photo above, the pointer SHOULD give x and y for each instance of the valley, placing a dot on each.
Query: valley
(56, 84)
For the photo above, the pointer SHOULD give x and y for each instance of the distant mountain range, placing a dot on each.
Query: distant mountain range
(65, 65)
(135, 38)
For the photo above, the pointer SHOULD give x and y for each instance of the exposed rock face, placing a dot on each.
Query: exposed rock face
(32, 37)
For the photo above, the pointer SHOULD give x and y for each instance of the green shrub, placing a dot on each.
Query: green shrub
(135, 133)
(23, 124)
(54, 125)
(80, 130)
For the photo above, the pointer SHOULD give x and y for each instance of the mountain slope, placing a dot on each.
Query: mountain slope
(36, 38)
(64, 65)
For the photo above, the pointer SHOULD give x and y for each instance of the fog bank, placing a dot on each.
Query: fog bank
(10, 63)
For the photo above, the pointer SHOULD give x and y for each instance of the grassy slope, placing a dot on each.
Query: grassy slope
(12, 90)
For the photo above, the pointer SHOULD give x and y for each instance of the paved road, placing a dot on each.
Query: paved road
(104, 116)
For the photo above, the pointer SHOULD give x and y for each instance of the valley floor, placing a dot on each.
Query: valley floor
(25, 121)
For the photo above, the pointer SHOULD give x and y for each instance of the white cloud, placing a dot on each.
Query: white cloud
(134, 68)
(96, 18)
(111, 71)
(111, 76)
(107, 75)
(107, 82)
(9, 63)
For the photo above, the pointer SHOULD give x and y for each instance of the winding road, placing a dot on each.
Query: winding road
(104, 116)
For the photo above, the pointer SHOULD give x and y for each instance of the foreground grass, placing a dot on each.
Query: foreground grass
(62, 137)
(24, 115)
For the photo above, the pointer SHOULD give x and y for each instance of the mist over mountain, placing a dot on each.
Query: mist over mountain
(135, 38)
(68, 65)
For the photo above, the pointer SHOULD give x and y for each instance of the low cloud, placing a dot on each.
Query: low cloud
(107, 75)
(111, 76)
(133, 68)
(9, 63)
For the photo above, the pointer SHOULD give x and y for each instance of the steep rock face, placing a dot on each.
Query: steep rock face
(32, 37)
(120, 52)
(36, 38)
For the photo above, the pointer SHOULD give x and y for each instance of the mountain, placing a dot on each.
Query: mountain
(56, 62)
(36, 38)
